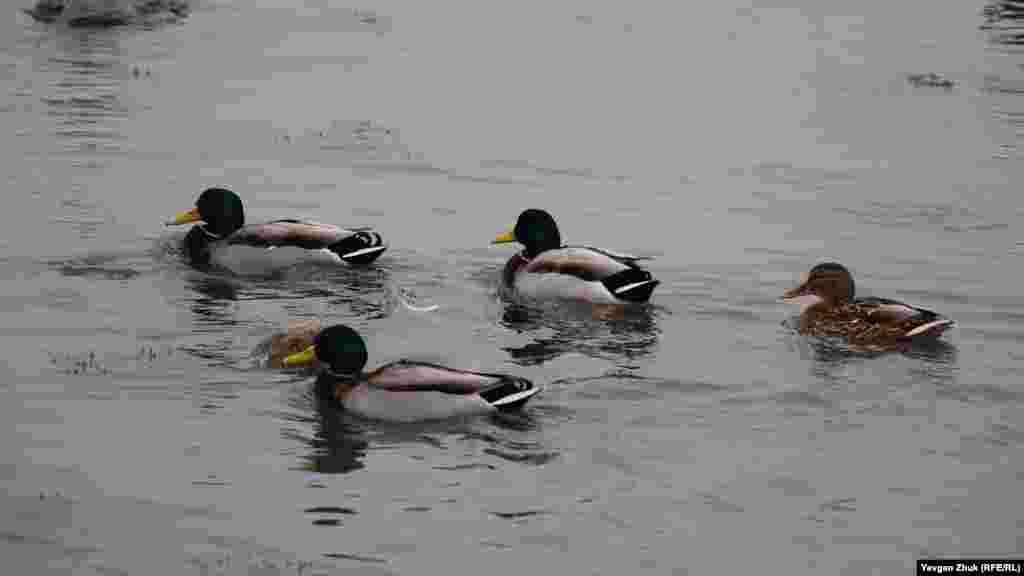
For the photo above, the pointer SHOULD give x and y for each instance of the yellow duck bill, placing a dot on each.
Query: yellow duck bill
(505, 238)
(305, 358)
(185, 218)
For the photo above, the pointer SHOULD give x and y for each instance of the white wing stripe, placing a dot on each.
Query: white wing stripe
(515, 397)
(370, 250)
(929, 326)
(629, 287)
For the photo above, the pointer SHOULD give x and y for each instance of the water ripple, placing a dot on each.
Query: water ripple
(948, 216)
(629, 335)
(357, 558)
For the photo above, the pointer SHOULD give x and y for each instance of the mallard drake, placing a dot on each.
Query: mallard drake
(223, 238)
(406, 391)
(865, 322)
(547, 269)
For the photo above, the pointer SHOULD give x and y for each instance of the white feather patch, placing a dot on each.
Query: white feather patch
(936, 326)
(511, 398)
(362, 251)
(629, 287)
(243, 259)
(413, 406)
(545, 286)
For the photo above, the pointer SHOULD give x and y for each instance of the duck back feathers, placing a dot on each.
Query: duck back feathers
(618, 274)
(359, 246)
(410, 376)
(874, 322)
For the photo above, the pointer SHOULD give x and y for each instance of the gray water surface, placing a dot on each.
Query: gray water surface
(738, 144)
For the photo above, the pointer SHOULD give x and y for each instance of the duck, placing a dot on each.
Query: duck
(547, 269)
(298, 336)
(867, 322)
(221, 237)
(406, 390)
(102, 13)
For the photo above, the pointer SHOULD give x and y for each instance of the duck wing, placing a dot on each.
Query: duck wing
(911, 320)
(360, 245)
(408, 376)
(627, 259)
(619, 274)
(309, 235)
(586, 263)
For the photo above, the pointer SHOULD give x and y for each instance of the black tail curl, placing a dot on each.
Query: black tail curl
(360, 248)
(631, 285)
(509, 394)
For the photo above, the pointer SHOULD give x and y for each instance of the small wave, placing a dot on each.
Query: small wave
(98, 272)
(467, 466)
(330, 510)
(946, 216)
(533, 458)
(561, 172)
(100, 265)
(521, 514)
(421, 168)
(356, 557)
(806, 177)
(581, 329)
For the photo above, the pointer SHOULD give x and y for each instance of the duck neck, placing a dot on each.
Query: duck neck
(197, 246)
(340, 384)
(219, 230)
(511, 267)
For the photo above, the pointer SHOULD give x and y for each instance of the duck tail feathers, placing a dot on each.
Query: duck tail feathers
(631, 285)
(930, 330)
(360, 248)
(510, 394)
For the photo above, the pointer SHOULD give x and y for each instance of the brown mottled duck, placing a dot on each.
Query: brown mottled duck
(872, 323)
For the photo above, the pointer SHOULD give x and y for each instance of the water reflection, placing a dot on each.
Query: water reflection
(515, 437)
(367, 292)
(85, 99)
(622, 334)
(832, 356)
(1004, 21)
(337, 445)
(214, 302)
